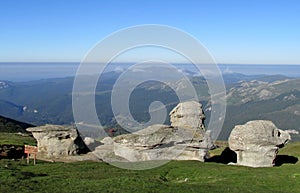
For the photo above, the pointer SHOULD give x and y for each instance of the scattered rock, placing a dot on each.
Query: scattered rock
(88, 140)
(257, 142)
(57, 141)
(107, 141)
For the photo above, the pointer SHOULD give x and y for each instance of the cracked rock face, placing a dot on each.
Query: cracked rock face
(256, 143)
(188, 115)
(162, 142)
(56, 141)
(185, 139)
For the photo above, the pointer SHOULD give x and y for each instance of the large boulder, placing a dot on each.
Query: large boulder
(257, 142)
(55, 141)
(162, 142)
(185, 139)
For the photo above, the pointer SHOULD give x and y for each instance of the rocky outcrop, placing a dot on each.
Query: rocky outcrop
(162, 142)
(185, 139)
(188, 115)
(55, 141)
(257, 142)
(106, 153)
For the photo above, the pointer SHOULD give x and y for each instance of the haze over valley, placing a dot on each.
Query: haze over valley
(259, 94)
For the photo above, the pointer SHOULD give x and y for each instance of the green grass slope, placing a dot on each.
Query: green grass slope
(16, 139)
(176, 176)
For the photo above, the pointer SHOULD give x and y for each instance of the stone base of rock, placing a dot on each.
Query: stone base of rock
(157, 142)
(106, 152)
(55, 141)
(257, 143)
(121, 153)
(258, 158)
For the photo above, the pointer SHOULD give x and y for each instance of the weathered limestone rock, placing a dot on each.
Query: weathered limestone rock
(89, 140)
(162, 142)
(257, 142)
(188, 115)
(106, 151)
(186, 139)
(56, 141)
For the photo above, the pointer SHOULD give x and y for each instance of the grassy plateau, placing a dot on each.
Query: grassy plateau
(175, 176)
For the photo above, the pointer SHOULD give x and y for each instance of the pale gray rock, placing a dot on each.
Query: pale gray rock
(151, 143)
(256, 143)
(106, 152)
(185, 139)
(188, 115)
(293, 131)
(89, 140)
(161, 142)
(55, 141)
(107, 141)
(91, 143)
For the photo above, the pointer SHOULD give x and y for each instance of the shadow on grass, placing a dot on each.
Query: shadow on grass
(226, 157)
(229, 156)
(285, 159)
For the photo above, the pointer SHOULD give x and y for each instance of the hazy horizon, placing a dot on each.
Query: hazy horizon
(28, 71)
(48, 40)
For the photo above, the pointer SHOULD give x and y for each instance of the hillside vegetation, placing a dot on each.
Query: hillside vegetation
(13, 126)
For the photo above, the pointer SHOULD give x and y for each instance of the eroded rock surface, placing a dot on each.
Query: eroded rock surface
(256, 143)
(162, 142)
(185, 139)
(188, 115)
(57, 141)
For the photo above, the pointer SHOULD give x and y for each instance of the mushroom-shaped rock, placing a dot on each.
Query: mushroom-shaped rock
(55, 141)
(256, 143)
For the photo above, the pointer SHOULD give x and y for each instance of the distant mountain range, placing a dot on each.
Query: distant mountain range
(276, 100)
(274, 97)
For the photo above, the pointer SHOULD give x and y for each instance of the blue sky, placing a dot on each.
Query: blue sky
(256, 31)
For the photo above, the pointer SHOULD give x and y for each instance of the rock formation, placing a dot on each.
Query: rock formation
(55, 141)
(188, 115)
(162, 142)
(185, 139)
(257, 142)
